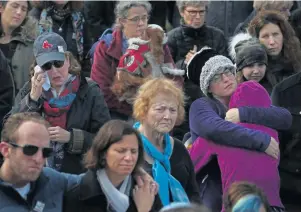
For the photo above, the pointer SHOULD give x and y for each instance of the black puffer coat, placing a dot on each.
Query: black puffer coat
(182, 39)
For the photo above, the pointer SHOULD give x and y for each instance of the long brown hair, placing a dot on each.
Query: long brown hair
(291, 44)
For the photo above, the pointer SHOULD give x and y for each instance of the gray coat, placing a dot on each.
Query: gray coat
(23, 55)
(48, 190)
(226, 15)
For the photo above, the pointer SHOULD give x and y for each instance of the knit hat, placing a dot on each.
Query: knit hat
(196, 63)
(246, 51)
(250, 93)
(214, 65)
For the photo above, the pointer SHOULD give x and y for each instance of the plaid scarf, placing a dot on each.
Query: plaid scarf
(55, 112)
(46, 24)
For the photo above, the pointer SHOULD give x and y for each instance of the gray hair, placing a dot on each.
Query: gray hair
(183, 4)
(122, 8)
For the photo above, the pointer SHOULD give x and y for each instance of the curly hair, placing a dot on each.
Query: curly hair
(150, 89)
(291, 44)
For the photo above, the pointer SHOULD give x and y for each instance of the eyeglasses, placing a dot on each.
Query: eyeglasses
(218, 77)
(193, 13)
(31, 150)
(55, 63)
(137, 19)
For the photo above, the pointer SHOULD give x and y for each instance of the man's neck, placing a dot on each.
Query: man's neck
(7, 176)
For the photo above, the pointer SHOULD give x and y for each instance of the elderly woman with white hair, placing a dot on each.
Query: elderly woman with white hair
(131, 22)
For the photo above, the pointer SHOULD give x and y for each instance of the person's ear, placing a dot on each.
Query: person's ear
(4, 149)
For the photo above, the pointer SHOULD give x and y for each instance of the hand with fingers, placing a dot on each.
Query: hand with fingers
(273, 149)
(190, 54)
(37, 82)
(144, 195)
(59, 134)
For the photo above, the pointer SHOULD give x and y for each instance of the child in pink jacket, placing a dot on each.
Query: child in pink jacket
(241, 164)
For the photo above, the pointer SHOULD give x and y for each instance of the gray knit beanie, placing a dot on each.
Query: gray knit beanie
(215, 65)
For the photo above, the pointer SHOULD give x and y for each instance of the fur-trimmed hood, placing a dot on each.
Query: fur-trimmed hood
(235, 40)
(29, 31)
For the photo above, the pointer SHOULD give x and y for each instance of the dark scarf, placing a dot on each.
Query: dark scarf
(55, 112)
(51, 13)
(277, 70)
(195, 33)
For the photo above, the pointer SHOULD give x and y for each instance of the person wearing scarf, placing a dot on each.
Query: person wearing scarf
(68, 21)
(185, 41)
(159, 105)
(73, 106)
(110, 185)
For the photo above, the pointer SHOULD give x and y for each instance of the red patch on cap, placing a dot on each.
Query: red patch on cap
(47, 45)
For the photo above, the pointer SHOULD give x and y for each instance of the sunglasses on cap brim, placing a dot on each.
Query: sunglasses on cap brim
(55, 63)
(31, 150)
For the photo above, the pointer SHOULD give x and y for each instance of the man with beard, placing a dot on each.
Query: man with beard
(25, 185)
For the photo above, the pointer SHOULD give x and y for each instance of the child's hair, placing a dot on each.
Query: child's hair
(184, 207)
(244, 196)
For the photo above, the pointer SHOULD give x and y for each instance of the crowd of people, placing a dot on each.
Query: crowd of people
(137, 106)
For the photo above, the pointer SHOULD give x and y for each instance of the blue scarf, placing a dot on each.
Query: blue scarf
(161, 171)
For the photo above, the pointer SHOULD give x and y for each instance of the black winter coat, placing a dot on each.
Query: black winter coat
(89, 197)
(182, 39)
(7, 90)
(226, 15)
(86, 115)
(287, 94)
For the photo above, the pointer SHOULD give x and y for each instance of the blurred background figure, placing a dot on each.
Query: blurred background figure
(244, 196)
(66, 19)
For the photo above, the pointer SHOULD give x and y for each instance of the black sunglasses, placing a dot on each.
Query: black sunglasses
(31, 150)
(55, 63)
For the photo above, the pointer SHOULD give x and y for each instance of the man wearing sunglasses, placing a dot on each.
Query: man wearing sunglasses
(25, 185)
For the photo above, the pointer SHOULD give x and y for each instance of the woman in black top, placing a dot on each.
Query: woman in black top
(159, 105)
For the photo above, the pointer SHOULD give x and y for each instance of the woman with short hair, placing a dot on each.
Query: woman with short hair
(158, 107)
(131, 22)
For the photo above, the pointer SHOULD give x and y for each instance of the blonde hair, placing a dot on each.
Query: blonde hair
(152, 88)
(272, 5)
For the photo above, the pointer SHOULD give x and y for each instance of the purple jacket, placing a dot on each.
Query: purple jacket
(206, 119)
(240, 164)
